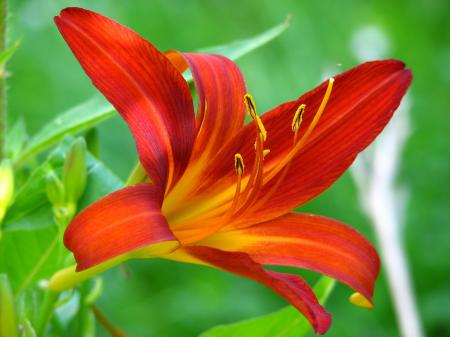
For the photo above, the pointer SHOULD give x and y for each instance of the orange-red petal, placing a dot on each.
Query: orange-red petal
(142, 84)
(291, 287)
(221, 110)
(361, 104)
(307, 241)
(120, 223)
(221, 113)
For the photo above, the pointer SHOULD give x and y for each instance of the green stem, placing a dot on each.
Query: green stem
(3, 18)
(137, 175)
(48, 306)
(38, 265)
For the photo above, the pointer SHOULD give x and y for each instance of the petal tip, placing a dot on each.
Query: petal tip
(361, 301)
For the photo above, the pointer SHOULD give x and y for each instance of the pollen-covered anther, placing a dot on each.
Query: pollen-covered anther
(239, 164)
(251, 110)
(239, 167)
(265, 152)
(302, 141)
(298, 117)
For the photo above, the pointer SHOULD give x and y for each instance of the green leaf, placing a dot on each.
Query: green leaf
(16, 137)
(91, 113)
(237, 49)
(287, 322)
(6, 55)
(73, 121)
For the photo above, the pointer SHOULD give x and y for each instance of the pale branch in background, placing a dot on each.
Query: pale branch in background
(375, 172)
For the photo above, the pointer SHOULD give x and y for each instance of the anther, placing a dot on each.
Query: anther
(251, 110)
(298, 117)
(250, 105)
(239, 164)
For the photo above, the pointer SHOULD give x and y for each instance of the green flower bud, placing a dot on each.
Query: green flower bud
(6, 186)
(55, 189)
(64, 213)
(8, 323)
(75, 172)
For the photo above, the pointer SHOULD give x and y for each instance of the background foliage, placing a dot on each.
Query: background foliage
(160, 298)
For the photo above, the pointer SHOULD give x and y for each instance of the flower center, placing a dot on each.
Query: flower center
(226, 207)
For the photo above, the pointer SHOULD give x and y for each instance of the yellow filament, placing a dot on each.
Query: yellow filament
(256, 183)
(256, 165)
(283, 162)
(239, 166)
(280, 178)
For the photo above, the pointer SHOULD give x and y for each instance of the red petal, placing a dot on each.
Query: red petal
(362, 102)
(291, 287)
(221, 110)
(307, 241)
(142, 84)
(120, 223)
(221, 114)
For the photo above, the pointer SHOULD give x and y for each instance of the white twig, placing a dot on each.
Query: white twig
(375, 172)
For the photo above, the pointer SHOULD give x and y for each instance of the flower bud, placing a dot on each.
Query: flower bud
(6, 186)
(75, 173)
(8, 323)
(55, 189)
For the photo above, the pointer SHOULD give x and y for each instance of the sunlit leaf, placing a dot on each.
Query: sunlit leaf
(75, 120)
(287, 322)
(239, 48)
(6, 55)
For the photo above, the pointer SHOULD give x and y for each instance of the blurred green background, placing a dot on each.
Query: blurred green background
(159, 298)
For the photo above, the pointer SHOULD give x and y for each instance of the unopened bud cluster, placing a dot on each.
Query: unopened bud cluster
(65, 192)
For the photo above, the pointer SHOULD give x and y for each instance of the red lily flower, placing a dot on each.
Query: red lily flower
(202, 208)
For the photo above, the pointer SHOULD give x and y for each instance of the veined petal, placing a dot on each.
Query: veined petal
(362, 102)
(307, 241)
(221, 113)
(291, 287)
(126, 221)
(142, 84)
(221, 109)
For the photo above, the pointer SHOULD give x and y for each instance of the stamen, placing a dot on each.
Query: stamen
(239, 166)
(250, 105)
(298, 117)
(251, 110)
(283, 162)
(255, 182)
(256, 164)
(265, 152)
